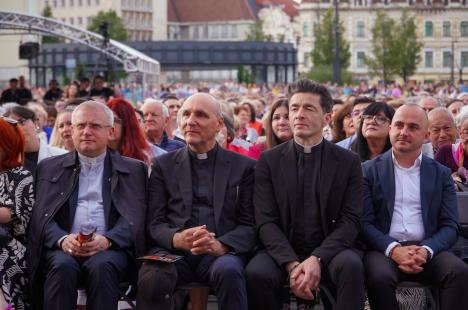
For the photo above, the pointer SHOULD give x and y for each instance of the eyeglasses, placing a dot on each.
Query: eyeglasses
(92, 126)
(378, 119)
(10, 121)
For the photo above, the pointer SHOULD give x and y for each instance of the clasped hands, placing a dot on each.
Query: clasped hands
(72, 247)
(304, 278)
(199, 240)
(410, 259)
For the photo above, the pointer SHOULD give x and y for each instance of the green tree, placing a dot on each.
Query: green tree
(256, 33)
(47, 12)
(116, 26)
(384, 60)
(324, 45)
(324, 73)
(408, 46)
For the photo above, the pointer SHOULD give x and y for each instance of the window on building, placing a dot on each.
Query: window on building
(54, 3)
(233, 31)
(80, 2)
(428, 29)
(360, 59)
(80, 20)
(72, 3)
(72, 20)
(89, 20)
(98, 2)
(205, 32)
(88, 2)
(360, 30)
(224, 31)
(305, 29)
(464, 59)
(195, 33)
(446, 59)
(63, 3)
(446, 30)
(214, 31)
(306, 59)
(429, 59)
(464, 29)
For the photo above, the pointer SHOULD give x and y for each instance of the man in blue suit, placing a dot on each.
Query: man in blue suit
(410, 218)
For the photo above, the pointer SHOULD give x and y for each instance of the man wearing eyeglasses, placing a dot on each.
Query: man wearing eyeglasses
(88, 219)
(359, 105)
(410, 218)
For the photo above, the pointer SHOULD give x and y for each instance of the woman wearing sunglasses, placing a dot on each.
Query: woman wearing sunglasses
(373, 133)
(16, 201)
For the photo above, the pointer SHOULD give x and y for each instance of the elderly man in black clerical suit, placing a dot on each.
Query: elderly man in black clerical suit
(90, 188)
(200, 207)
(308, 198)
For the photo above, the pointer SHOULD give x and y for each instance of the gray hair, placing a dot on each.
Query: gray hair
(441, 110)
(434, 99)
(462, 116)
(165, 110)
(95, 105)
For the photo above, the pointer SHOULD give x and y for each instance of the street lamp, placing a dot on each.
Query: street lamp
(336, 62)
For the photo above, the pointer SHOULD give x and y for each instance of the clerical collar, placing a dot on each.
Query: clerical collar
(308, 148)
(204, 156)
(92, 160)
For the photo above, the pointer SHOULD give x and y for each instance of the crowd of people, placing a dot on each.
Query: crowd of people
(241, 189)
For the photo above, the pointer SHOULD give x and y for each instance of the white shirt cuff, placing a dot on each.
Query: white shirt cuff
(431, 253)
(60, 241)
(390, 247)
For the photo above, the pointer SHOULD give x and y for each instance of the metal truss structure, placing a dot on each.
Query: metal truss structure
(132, 60)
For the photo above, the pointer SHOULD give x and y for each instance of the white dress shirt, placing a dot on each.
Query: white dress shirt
(407, 223)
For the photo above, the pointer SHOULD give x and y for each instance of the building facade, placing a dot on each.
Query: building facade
(145, 20)
(441, 26)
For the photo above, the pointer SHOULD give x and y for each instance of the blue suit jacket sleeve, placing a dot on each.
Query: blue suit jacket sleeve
(372, 234)
(52, 234)
(446, 233)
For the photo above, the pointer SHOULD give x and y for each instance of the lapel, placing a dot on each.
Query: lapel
(386, 174)
(222, 171)
(184, 178)
(427, 181)
(288, 164)
(327, 175)
(109, 181)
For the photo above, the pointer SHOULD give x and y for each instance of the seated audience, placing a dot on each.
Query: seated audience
(99, 90)
(253, 122)
(53, 93)
(410, 219)
(372, 135)
(455, 106)
(88, 220)
(205, 215)
(442, 131)
(429, 103)
(307, 214)
(16, 202)
(359, 104)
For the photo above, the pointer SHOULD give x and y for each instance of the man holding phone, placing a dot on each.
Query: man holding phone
(200, 208)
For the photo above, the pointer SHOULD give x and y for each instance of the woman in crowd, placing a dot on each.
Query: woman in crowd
(61, 134)
(128, 138)
(16, 201)
(246, 133)
(71, 91)
(455, 156)
(342, 123)
(35, 149)
(373, 133)
(277, 128)
(253, 122)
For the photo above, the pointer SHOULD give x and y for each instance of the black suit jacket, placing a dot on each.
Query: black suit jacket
(124, 196)
(170, 199)
(275, 200)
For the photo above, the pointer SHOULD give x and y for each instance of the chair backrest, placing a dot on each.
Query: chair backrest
(462, 202)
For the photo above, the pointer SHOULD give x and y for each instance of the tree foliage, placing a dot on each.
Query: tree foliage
(324, 74)
(324, 45)
(256, 33)
(116, 26)
(395, 47)
(47, 12)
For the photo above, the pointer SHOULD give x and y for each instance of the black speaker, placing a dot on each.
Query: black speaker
(28, 50)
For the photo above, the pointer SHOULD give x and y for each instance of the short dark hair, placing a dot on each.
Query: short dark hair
(311, 87)
(21, 111)
(13, 80)
(99, 77)
(84, 79)
(170, 97)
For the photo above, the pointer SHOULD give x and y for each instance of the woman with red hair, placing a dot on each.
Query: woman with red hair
(16, 201)
(128, 137)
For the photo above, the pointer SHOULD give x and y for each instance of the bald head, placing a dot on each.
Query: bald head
(210, 102)
(408, 130)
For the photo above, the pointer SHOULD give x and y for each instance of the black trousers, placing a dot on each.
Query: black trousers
(99, 274)
(224, 274)
(344, 274)
(445, 270)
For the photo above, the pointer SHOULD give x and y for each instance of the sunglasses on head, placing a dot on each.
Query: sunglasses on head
(10, 120)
